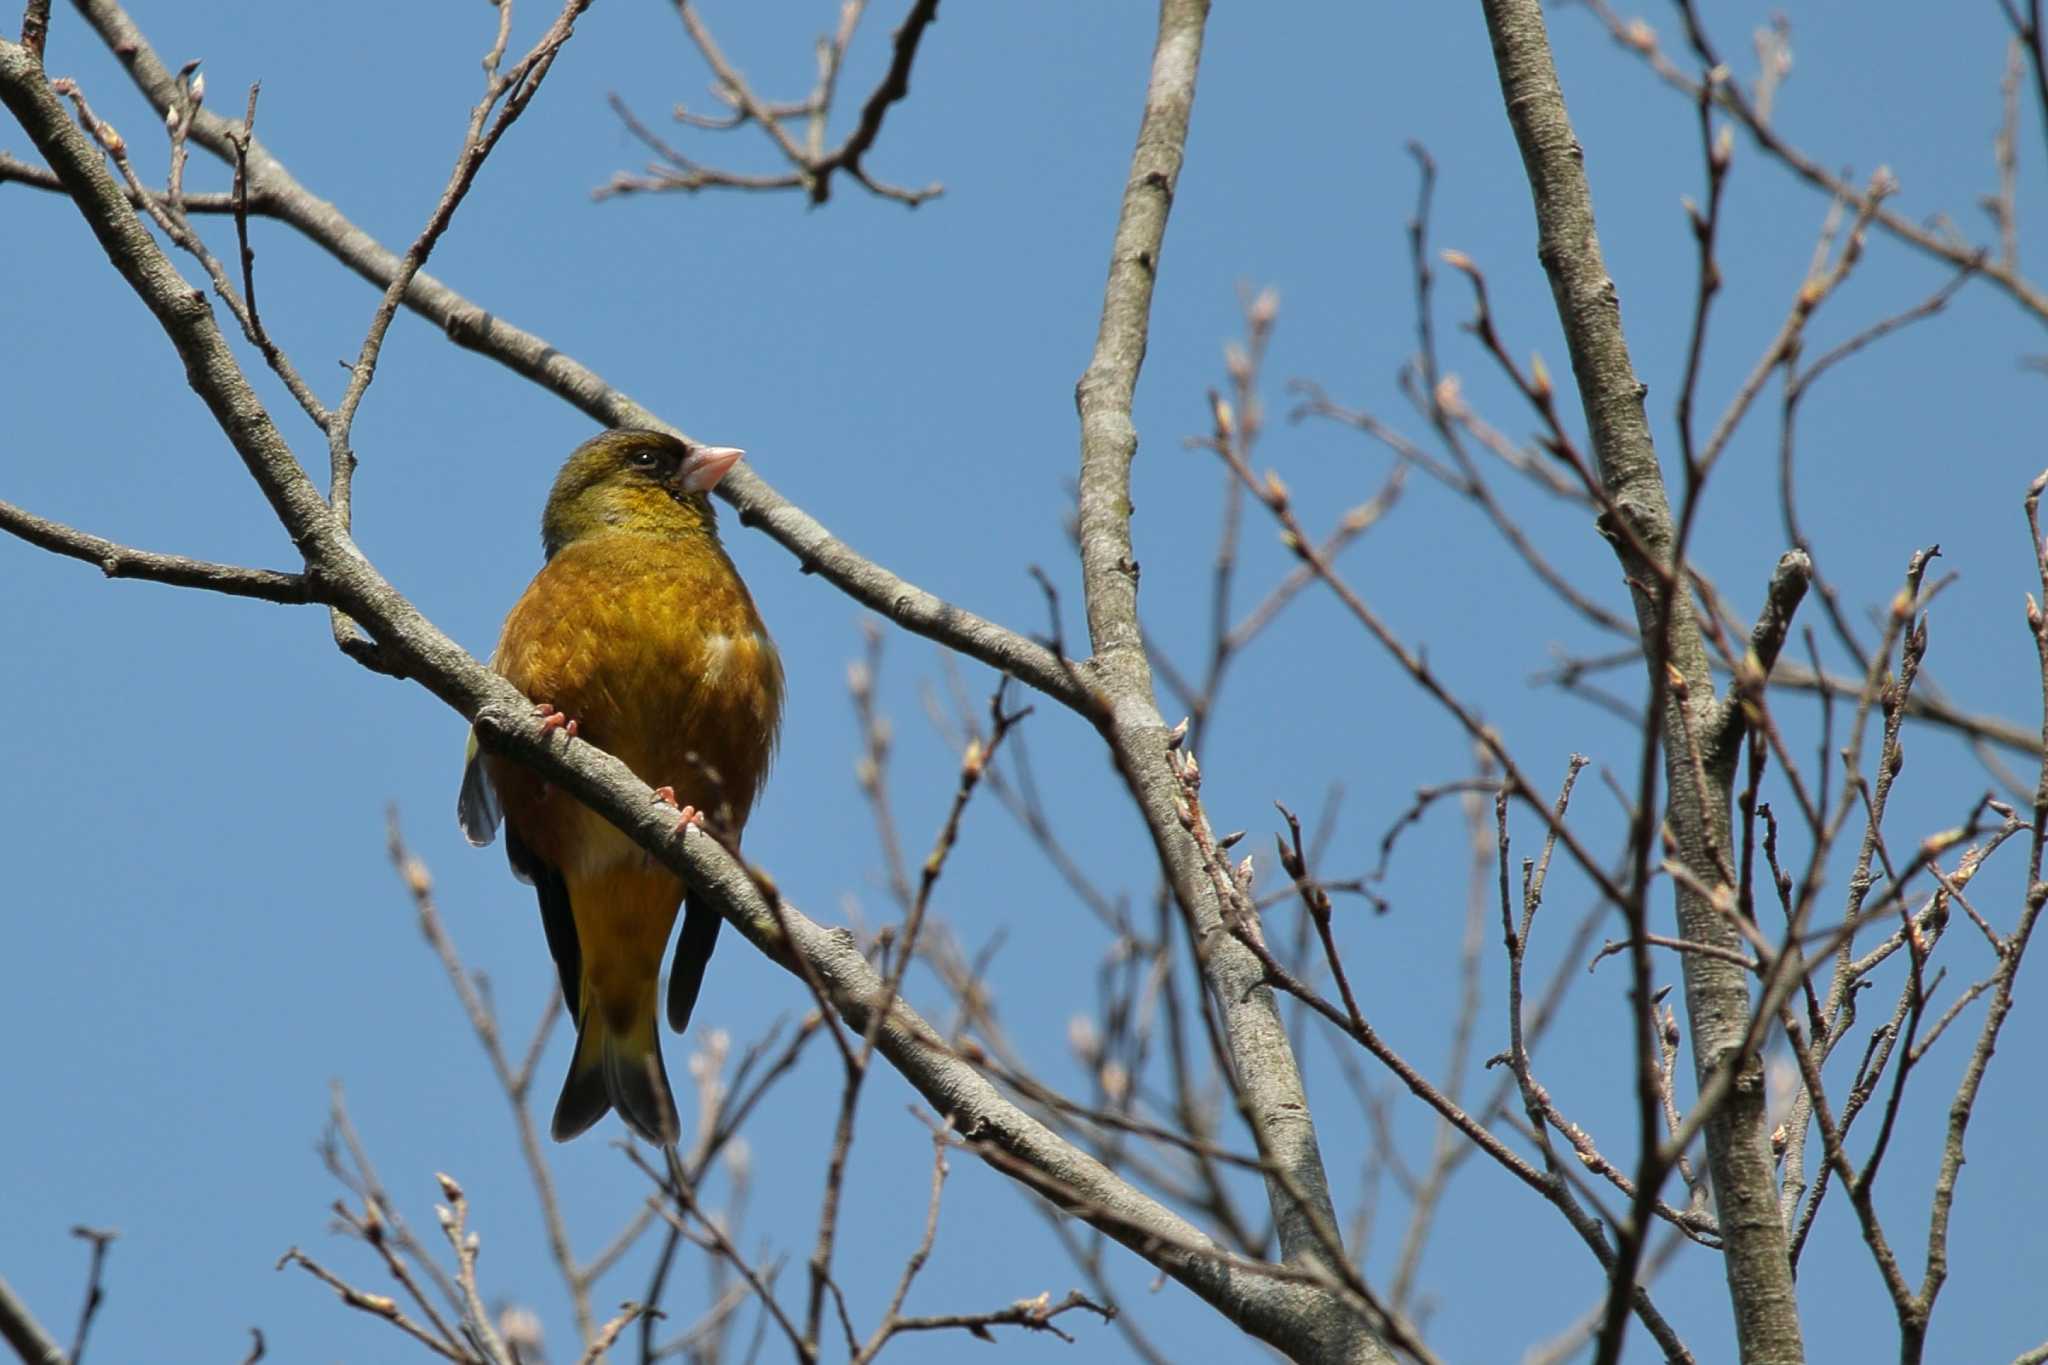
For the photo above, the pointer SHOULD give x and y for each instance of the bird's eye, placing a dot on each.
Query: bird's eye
(643, 459)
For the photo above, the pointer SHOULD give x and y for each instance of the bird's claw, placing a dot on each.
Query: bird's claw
(686, 815)
(553, 719)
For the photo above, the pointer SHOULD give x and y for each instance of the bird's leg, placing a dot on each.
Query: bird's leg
(687, 815)
(553, 719)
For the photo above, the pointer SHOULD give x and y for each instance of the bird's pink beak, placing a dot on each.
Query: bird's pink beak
(704, 466)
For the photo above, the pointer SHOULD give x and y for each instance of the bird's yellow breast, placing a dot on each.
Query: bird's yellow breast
(653, 646)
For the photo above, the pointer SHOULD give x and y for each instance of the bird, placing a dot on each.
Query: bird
(637, 636)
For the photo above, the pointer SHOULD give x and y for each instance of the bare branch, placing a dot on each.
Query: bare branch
(515, 1084)
(100, 1238)
(1032, 1314)
(377, 1306)
(119, 561)
(1651, 552)
(21, 1331)
(1754, 120)
(812, 167)
(1261, 1056)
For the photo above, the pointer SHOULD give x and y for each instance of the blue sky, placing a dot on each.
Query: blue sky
(203, 931)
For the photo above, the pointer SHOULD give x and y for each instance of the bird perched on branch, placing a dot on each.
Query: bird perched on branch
(637, 636)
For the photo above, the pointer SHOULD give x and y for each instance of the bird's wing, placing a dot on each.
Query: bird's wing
(477, 809)
(693, 955)
(555, 916)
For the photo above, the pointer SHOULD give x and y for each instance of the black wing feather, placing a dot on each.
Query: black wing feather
(693, 954)
(555, 916)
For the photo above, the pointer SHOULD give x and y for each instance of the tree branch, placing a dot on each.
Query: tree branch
(20, 1329)
(1262, 1058)
(1640, 526)
(119, 561)
(1729, 98)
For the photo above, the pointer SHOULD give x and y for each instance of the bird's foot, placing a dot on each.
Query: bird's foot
(552, 719)
(686, 815)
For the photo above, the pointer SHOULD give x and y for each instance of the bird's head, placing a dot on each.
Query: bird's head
(638, 481)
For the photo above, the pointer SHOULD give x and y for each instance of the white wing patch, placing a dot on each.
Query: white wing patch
(715, 653)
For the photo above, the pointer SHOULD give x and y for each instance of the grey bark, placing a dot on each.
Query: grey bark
(1717, 997)
(1265, 1072)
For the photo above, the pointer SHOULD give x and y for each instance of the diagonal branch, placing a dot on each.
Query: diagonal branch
(19, 1328)
(894, 86)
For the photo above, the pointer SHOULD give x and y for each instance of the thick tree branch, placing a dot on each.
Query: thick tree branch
(20, 1329)
(1262, 1058)
(1758, 1265)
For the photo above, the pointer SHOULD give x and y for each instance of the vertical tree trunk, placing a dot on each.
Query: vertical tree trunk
(1717, 994)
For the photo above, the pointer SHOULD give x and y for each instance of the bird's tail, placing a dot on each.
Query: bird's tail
(617, 1069)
